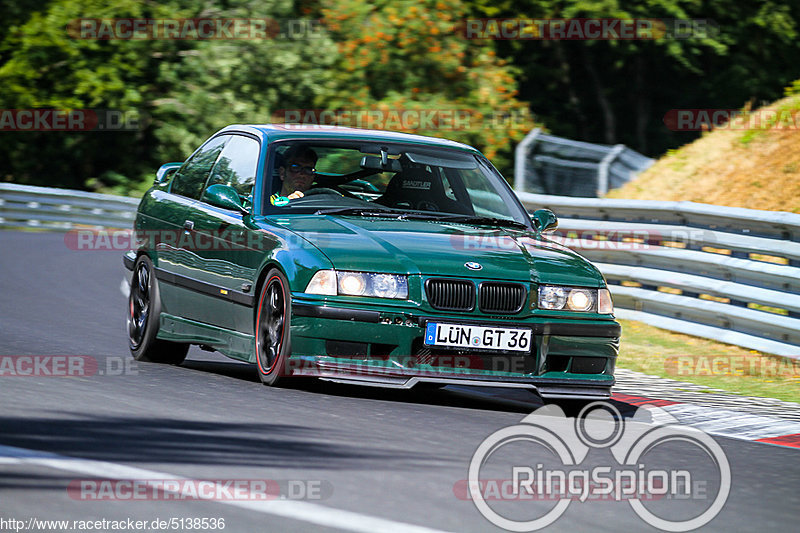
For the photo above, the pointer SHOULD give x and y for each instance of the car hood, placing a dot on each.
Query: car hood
(376, 244)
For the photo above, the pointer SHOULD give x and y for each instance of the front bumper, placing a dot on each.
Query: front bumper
(569, 358)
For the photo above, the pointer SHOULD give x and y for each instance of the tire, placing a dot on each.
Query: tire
(144, 308)
(272, 327)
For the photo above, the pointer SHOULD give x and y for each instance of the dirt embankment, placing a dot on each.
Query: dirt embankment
(753, 163)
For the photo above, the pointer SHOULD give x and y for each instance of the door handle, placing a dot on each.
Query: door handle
(188, 225)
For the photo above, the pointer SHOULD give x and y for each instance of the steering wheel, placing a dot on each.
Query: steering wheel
(335, 190)
(322, 190)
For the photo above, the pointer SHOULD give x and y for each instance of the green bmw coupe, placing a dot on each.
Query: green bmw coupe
(364, 257)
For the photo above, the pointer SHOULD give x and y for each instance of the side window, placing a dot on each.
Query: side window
(189, 179)
(237, 165)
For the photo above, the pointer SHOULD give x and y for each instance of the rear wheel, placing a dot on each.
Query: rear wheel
(273, 343)
(144, 308)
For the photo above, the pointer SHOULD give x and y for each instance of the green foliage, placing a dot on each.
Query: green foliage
(619, 91)
(792, 89)
(409, 55)
(184, 90)
(399, 55)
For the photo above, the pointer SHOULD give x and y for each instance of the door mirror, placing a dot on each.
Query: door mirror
(164, 172)
(544, 220)
(224, 196)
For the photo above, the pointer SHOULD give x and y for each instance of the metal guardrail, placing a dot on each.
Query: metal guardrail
(555, 165)
(724, 273)
(44, 207)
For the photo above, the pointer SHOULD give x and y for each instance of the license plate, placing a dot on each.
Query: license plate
(477, 337)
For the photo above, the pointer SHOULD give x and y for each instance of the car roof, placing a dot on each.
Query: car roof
(275, 132)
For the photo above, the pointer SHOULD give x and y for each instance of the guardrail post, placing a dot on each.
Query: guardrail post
(521, 158)
(602, 169)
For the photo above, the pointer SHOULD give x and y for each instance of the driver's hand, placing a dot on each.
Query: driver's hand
(295, 194)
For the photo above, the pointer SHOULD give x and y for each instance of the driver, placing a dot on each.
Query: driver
(297, 174)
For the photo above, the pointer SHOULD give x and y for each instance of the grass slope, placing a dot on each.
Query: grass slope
(658, 352)
(754, 165)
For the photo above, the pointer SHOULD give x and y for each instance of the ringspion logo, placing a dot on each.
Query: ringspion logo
(518, 471)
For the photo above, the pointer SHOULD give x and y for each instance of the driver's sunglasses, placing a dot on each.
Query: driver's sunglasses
(305, 170)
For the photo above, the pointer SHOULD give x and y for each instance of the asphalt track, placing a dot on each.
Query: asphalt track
(368, 459)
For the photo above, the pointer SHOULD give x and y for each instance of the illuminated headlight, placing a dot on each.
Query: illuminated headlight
(352, 283)
(370, 284)
(581, 299)
(331, 282)
(574, 299)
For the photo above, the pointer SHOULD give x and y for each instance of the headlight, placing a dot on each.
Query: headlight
(369, 284)
(352, 283)
(581, 299)
(387, 286)
(552, 297)
(331, 283)
(575, 299)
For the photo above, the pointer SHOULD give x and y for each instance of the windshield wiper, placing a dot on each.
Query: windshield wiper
(388, 213)
(359, 211)
(486, 221)
(446, 217)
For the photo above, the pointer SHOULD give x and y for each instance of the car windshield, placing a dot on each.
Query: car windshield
(389, 180)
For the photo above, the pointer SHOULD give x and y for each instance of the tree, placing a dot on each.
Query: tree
(411, 55)
(183, 90)
(612, 91)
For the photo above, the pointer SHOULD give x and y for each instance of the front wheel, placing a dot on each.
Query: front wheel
(144, 308)
(273, 315)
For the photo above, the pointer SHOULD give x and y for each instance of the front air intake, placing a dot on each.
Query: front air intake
(502, 298)
(451, 294)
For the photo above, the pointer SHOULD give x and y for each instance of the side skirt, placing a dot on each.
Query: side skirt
(230, 343)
